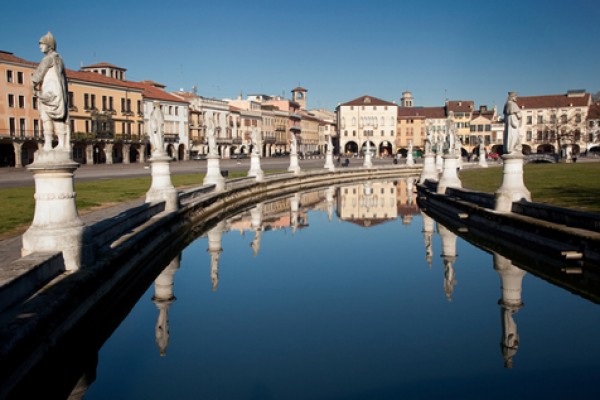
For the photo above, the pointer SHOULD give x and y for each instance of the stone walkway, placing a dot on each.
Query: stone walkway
(10, 249)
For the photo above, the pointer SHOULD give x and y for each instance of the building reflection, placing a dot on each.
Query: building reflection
(163, 298)
(511, 279)
(367, 204)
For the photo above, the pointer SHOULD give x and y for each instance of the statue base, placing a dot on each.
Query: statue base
(439, 162)
(429, 170)
(213, 172)
(329, 162)
(255, 170)
(56, 224)
(368, 161)
(162, 188)
(294, 166)
(512, 188)
(482, 161)
(449, 176)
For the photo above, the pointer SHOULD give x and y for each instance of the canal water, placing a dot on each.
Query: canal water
(348, 293)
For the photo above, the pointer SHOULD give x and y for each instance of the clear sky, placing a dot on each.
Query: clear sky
(338, 50)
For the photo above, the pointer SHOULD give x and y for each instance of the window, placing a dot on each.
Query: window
(110, 104)
(93, 101)
(22, 127)
(353, 133)
(540, 119)
(128, 105)
(382, 132)
(382, 121)
(21, 101)
(20, 79)
(345, 133)
(139, 107)
(103, 103)
(578, 118)
(472, 128)
(36, 128)
(122, 104)
(11, 100)
(9, 76)
(529, 136)
(529, 120)
(479, 128)
(11, 126)
(34, 102)
(488, 128)
(86, 101)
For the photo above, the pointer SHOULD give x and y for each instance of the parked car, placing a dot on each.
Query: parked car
(239, 155)
(199, 157)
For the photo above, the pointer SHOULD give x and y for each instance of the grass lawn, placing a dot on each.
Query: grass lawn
(574, 186)
(17, 204)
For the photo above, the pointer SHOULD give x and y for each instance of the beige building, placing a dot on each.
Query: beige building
(367, 118)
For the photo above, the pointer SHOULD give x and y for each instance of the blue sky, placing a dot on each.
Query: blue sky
(338, 50)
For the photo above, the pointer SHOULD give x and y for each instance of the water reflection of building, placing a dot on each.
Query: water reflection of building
(367, 204)
(163, 298)
(407, 205)
(511, 278)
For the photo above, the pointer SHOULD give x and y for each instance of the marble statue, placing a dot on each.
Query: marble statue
(211, 138)
(481, 148)
(450, 146)
(410, 147)
(156, 128)
(512, 125)
(428, 140)
(293, 144)
(329, 145)
(50, 87)
(255, 138)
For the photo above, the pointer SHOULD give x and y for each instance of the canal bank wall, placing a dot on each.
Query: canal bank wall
(42, 304)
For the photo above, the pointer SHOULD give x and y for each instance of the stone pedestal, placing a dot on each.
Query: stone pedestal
(449, 176)
(213, 172)
(439, 162)
(294, 166)
(448, 257)
(512, 188)
(482, 160)
(255, 170)
(162, 188)
(429, 170)
(368, 161)
(409, 158)
(329, 161)
(56, 224)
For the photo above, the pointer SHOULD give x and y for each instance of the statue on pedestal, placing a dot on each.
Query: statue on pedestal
(512, 125)
(428, 140)
(293, 144)
(210, 136)
(156, 128)
(449, 145)
(256, 142)
(50, 87)
(329, 145)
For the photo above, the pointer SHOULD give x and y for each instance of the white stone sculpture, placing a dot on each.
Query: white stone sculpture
(256, 142)
(50, 87)
(512, 125)
(156, 128)
(211, 138)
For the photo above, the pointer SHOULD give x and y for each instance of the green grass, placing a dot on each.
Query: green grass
(17, 204)
(574, 186)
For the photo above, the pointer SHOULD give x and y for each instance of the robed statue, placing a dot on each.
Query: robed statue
(512, 125)
(50, 88)
(156, 128)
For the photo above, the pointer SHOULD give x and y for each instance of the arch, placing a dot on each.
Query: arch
(351, 147)
(27, 151)
(171, 150)
(545, 148)
(117, 153)
(99, 153)
(181, 152)
(526, 150)
(7, 155)
(497, 149)
(373, 148)
(385, 148)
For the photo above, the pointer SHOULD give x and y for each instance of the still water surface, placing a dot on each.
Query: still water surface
(332, 295)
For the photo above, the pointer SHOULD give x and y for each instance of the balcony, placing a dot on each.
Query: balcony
(171, 138)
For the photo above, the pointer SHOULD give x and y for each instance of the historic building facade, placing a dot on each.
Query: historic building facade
(367, 119)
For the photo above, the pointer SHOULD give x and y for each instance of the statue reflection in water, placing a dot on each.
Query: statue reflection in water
(256, 215)
(163, 298)
(215, 237)
(511, 279)
(449, 257)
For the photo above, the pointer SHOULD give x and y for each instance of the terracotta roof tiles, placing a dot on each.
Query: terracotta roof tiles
(554, 101)
(594, 111)
(105, 65)
(460, 105)
(368, 101)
